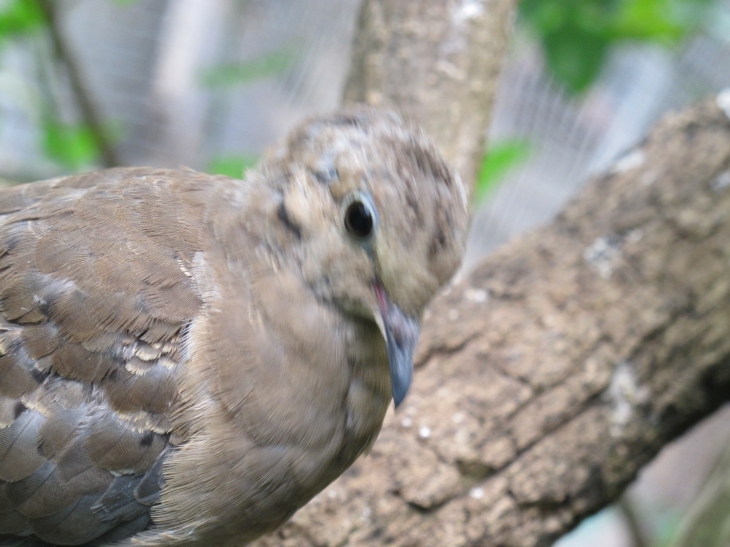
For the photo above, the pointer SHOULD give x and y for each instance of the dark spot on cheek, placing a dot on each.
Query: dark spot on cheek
(437, 243)
(430, 164)
(283, 216)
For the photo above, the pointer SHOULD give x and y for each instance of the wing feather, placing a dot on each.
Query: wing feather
(95, 291)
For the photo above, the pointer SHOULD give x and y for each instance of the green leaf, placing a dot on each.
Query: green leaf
(575, 58)
(19, 17)
(577, 35)
(546, 17)
(652, 20)
(71, 146)
(231, 74)
(231, 166)
(499, 159)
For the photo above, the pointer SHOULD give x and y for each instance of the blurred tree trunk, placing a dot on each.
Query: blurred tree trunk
(437, 63)
(564, 362)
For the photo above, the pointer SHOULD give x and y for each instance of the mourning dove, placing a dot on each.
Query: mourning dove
(188, 359)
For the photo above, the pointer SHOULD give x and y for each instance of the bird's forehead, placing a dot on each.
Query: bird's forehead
(363, 167)
(400, 170)
(352, 173)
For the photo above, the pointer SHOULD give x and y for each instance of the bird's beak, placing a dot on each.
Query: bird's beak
(401, 335)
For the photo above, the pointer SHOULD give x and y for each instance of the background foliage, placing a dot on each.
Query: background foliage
(577, 37)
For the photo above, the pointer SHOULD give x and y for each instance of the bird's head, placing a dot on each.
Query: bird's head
(377, 218)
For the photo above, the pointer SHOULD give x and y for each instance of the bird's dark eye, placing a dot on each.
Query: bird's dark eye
(359, 219)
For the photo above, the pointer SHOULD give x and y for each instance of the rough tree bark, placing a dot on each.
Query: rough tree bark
(436, 63)
(559, 366)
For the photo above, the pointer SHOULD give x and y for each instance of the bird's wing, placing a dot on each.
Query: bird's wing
(95, 296)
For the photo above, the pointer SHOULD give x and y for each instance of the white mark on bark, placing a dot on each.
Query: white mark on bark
(723, 101)
(602, 255)
(406, 422)
(648, 178)
(469, 9)
(463, 12)
(632, 160)
(450, 70)
(477, 493)
(634, 236)
(721, 182)
(424, 432)
(625, 394)
(478, 296)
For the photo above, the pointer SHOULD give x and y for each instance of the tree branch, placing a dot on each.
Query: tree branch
(88, 111)
(560, 366)
(632, 520)
(437, 63)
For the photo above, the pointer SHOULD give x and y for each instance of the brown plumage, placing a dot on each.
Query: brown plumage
(187, 359)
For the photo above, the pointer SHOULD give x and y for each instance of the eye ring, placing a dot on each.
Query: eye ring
(359, 217)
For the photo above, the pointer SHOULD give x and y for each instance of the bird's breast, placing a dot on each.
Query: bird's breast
(281, 394)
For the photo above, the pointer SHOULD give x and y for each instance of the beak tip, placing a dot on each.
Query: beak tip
(399, 393)
(401, 368)
(401, 371)
(401, 335)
